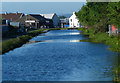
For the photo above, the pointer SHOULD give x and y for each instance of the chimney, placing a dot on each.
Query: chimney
(16, 12)
(73, 12)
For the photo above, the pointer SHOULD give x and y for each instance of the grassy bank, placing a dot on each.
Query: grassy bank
(112, 41)
(101, 37)
(19, 41)
(14, 43)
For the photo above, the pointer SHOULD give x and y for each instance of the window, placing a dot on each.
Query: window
(71, 20)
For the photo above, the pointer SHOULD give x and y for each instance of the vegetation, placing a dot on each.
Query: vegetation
(96, 16)
(62, 17)
(102, 37)
(112, 41)
(19, 41)
(99, 15)
(13, 43)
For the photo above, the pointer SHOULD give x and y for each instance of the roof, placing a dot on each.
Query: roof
(32, 16)
(48, 16)
(73, 16)
(37, 16)
(11, 16)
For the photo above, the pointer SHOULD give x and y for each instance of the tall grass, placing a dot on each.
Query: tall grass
(101, 37)
(112, 41)
(19, 41)
(14, 43)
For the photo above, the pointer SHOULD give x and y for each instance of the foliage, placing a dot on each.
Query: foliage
(99, 14)
(19, 41)
(62, 17)
(112, 41)
(114, 13)
(101, 37)
(13, 43)
(35, 32)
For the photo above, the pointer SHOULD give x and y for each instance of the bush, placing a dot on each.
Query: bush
(19, 41)
(101, 37)
(35, 32)
(13, 43)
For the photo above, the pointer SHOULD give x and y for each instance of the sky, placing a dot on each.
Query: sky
(60, 8)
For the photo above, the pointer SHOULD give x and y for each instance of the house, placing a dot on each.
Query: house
(35, 21)
(73, 21)
(64, 22)
(9, 20)
(12, 17)
(53, 17)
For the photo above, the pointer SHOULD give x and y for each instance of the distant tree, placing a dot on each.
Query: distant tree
(114, 13)
(1, 20)
(62, 17)
(99, 15)
(94, 14)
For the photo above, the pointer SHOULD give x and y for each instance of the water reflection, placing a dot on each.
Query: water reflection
(50, 41)
(74, 40)
(59, 56)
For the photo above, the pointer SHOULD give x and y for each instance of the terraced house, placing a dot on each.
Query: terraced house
(9, 19)
(35, 21)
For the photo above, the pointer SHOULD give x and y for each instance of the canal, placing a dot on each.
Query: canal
(59, 55)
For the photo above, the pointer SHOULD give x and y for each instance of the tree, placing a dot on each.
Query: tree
(114, 13)
(94, 14)
(62, 17)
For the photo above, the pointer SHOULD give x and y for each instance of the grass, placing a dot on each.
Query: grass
(116, 72)
(101, 37)
(14, 43)
(112, 41)
(19, 41)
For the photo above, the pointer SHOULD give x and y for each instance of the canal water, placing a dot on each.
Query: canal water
(59, 55)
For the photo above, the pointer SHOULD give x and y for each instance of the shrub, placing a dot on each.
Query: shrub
(13, 43)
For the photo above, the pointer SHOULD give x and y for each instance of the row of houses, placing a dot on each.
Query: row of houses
(35, 21)
(39, 20)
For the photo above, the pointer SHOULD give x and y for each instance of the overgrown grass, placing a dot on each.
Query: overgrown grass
(14, 43)
(101, 37)
(116, 72)
(112, 41)
(19, 41)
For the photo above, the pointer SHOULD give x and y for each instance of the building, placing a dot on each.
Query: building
(35, 21)
(64, 22)
(54, 18)
(9, 21)
(12, 17)
(73, 21)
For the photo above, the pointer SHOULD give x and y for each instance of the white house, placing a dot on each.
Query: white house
(53, 17)
(73, 21)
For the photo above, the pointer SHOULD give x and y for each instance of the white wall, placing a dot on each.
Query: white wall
(73, 21)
